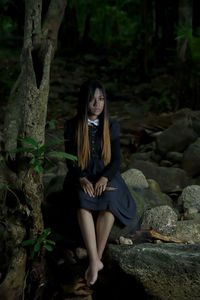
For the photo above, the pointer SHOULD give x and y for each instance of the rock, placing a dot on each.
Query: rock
(188, 231)
(191, 159)
(174, 157)
(154, 186)
(175, 138)
(140, 156)
(165, 271)
(144, 199)
(68, 258)
(169, 179)
(148, 147)
(196, 126)
(135, 179)
(156, 156)
(190, 197)
(125, 142)
(162, 219)
(125, 241)
(81, 253)
(191, 214)
(165, 163)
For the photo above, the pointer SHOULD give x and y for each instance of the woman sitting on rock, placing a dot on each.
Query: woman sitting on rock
(95, 182)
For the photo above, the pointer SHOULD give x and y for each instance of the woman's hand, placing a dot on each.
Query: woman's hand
(100, 186)
(87, 186)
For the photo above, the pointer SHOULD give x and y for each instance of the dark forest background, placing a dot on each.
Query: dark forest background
(147, 50)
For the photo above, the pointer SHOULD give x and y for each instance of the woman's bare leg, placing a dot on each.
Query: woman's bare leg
(104, 224)
(87, 227)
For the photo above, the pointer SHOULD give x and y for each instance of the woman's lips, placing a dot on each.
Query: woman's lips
(97, 109)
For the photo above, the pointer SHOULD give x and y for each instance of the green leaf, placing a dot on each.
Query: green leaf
(46, 232)
(28, 242)
(48, 247)
(38, 168)
(37, 247)
(34, 161)
(51, 242)
(42, 149)
(62, 155)
(23, 149)
(57, 141)
(29, 141)
(3, 161)
(51, 123)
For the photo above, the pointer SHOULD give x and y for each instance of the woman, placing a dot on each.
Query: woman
(95, 181)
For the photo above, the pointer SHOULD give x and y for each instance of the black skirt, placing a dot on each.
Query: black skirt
(117, 199)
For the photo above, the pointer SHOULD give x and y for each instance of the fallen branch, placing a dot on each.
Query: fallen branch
(151, 235)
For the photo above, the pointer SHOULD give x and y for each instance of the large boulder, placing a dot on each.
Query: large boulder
(135, 179)
(162, 219)
(191, 159)
(175, 138)
(188, 230)
(169, 179)
(190, 197)
(167, 271)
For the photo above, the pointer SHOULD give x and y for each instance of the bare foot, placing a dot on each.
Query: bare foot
(91, 273)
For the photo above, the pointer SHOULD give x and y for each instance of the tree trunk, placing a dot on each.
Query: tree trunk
(20, 203)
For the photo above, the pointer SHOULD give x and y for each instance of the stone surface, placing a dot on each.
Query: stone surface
(166, 271)
(175, 138)
(169, 179)
(191, 159)
(135, 179)
(174, 157)
(156, 156)
(188, 230)
(154, 186)
(190, 197)
(140, 156)
(81, 253)
(162, 219)
(165, 163)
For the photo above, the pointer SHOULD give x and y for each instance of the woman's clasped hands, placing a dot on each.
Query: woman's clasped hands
(94, 190)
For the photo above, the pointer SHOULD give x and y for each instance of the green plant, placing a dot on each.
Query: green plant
(39, 153)
(51, 123)
(40, 242)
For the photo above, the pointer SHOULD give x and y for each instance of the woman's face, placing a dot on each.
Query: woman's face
(96, 105)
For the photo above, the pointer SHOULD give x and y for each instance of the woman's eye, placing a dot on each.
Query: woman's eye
(101, 98)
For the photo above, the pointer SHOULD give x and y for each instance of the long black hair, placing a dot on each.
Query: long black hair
(86, 95)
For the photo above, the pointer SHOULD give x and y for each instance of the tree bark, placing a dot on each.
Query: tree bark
(20, 205)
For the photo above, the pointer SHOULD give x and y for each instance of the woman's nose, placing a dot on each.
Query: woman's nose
(96, 101)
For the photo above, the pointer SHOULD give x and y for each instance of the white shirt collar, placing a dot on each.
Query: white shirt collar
(95, 122)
